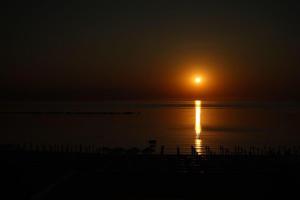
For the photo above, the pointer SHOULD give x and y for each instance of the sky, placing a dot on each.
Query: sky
(102, 50)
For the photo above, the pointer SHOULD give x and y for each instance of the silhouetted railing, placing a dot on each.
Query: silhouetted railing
(152, 149)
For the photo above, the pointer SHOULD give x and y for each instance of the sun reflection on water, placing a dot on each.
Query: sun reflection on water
(198, 129)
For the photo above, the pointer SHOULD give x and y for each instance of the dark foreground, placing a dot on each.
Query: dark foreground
(53, 175)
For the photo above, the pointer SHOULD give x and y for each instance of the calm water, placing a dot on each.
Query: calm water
(172, 124)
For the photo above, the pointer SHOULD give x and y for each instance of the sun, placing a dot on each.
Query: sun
(198, 80)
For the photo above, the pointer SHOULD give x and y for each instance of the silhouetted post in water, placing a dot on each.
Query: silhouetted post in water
(21, 148)
(264, 150)
(221, 149)
(236, 150)
(98, 150)
(162, 149)
(250, 151)
(193, 151)
(178, 151)
(227, 151)
(18, 147)
(206, 150)
(152, 143)
(80, 148)
(37, 148)
(295, 150)
(24, 147)
(279, 150)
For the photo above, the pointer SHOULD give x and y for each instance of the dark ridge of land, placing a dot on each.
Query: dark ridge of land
(42, 174)
(70, 113)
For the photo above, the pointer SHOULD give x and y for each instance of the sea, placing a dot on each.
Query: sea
(172, 124)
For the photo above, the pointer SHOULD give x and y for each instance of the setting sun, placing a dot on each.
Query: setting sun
(198, 80)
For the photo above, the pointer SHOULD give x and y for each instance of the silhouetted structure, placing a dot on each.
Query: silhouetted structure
(55, 170)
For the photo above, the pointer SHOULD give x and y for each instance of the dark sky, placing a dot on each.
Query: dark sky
(95, 50)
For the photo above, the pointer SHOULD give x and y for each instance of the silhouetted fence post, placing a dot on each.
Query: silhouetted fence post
(98, 150)
(178, 151)
(93, 148)
(18, 147)
(80, 148)
(193, 150)
(162, 150)
(67, 149)
(24, 147)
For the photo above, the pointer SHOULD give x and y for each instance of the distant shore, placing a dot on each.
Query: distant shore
(70, 113)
